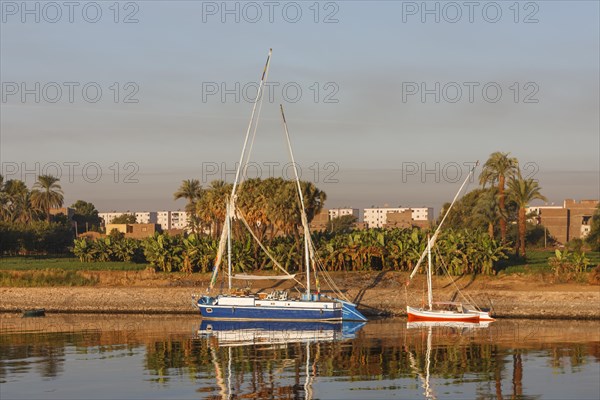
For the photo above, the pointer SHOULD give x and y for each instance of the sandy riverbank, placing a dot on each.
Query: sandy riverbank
(382, 294)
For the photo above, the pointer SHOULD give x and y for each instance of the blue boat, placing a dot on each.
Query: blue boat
(268, 309)
(274, 306)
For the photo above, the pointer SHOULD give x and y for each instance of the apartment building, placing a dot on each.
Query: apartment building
(179, 220)
(146, 217)
(163, 218)
(340, 212)
(377, 217)
(108, 217)
(166, 219)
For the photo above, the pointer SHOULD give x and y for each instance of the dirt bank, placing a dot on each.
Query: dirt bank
(383, 294)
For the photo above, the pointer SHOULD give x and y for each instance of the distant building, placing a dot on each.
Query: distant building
(377, 217)
(320, 221)
(140, 231)
(404, 220)
(146, 217)
(108, 217)
(166, 219)
(571, 221)
(340, 212)
(135, 231)
(179, 220)
(66, 211)
(163, 218)
(122, 228)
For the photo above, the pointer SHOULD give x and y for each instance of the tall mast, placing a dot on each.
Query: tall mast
(429, 289)
(303, 215)
(228, 222)
(431, 241)
(225, 235)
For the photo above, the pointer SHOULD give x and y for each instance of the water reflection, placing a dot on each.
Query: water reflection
(184, 358)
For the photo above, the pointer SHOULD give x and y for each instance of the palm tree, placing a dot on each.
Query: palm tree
(212, 206)
(16, 202)
(497, 169)
(522, 191)
(47, 194)
(487, 211)
(191, 190)
(3, 200)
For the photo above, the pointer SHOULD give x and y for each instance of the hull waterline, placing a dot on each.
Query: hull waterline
(415, 315)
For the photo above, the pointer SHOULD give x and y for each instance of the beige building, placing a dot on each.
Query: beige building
(321, 220)
(404, 220)
(377, 217)
(136, 231)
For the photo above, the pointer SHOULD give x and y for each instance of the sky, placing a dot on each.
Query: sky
(387, 102)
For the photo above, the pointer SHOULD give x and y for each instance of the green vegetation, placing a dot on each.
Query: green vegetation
(343, 224)
(539, 262)
(45, 278)
(35, 237)
(46, 194)
(593, 239)
(124, 219)
(86, 216)
(458, 252)
(66, 263)
(497, 169)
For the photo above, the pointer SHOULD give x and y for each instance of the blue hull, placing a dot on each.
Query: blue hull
(269, 314)
(224, 325)
(349, 310)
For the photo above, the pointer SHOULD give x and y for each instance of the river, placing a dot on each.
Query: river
(65, 356)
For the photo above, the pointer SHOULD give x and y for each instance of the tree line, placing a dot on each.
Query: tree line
(480, 230)
(27, 224)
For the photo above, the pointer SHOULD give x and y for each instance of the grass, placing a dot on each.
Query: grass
(42, 263)
(45, 279)
(537, 262)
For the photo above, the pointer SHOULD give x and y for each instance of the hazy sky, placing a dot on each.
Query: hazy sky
(387, 102)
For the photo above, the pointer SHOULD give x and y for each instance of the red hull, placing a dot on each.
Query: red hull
(414, 318)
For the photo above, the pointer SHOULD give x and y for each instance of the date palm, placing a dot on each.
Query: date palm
(487, 210)
(522, 191)
(3, 199)
(212, 206)
(47, 194)
(14, 200)
(190, 190)
(496, 171)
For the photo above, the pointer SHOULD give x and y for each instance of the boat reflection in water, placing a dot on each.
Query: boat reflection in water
(269, 335)
(243, 333)
(424, 372)
(448, 324)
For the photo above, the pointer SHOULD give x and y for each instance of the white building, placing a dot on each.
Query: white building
(179, 220)
(377, 217)
(145, 217)
(166, 219)
(340, 212)
(163, 218)
(108, 217)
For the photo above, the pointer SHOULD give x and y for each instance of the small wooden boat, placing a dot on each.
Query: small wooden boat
(40, 312)
(444, 311)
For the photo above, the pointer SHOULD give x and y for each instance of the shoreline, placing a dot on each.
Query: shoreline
(378, 295)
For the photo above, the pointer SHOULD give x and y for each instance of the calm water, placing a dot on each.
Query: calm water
(106, 357)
